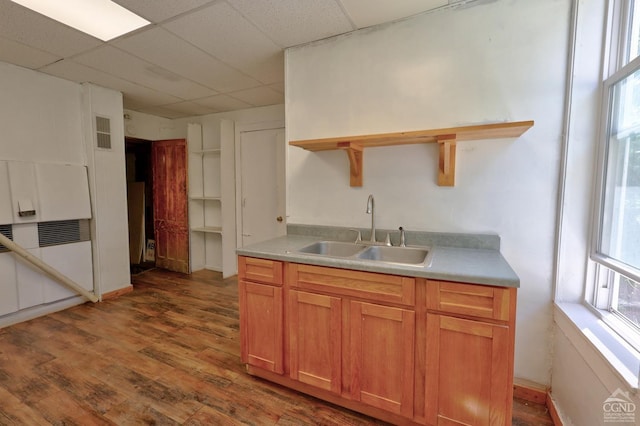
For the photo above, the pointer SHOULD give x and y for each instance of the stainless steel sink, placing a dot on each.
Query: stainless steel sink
(333, 248)
(404, 255)
(410, 256)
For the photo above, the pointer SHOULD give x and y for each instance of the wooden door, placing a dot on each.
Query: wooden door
(261, 326)
(170, 218)
(315, 340)
(382, 355)
(467, 375)
(262, 185)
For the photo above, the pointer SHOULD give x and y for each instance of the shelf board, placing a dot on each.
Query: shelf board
(207, 151)
(208, 229)
(205, 198)
(446, 138)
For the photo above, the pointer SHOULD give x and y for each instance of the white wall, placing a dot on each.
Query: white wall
(107, 183)
(240, 117)
(582, 378)
(501, 61)
(39, 117)
(145, 126)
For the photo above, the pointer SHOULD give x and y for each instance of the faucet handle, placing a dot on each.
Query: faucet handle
(387, 241)
(402, 240)
(359, 236)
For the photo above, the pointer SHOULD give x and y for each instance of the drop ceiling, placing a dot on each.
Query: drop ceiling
(198, 56)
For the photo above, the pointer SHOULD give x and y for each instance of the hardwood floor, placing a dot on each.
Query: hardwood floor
(167, 353)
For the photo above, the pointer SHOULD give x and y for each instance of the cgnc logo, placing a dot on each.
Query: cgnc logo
(619, 408)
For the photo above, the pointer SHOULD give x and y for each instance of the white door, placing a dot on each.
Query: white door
(262, 175)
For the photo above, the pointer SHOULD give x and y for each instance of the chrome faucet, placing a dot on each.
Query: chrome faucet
(402, 240)
(370, 209)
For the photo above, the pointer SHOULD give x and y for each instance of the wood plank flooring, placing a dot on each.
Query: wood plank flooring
(165, 354)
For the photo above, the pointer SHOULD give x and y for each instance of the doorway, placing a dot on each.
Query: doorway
(157, 204)
(261, 191)
(140, 204)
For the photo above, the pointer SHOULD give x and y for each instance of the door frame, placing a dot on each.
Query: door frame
(253, 127)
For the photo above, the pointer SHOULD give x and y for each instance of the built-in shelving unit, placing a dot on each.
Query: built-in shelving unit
(211, 208)
(446, 138)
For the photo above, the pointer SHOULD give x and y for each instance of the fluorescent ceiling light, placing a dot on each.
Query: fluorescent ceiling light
(103, 19)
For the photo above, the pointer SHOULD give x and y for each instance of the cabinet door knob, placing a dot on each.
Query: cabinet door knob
(279, 218)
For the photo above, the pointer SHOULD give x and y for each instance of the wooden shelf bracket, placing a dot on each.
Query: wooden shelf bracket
(354, 152)
(446, 160)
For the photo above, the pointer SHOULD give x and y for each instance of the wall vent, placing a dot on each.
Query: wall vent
(103, 132)
(7, 231)
(63, 232)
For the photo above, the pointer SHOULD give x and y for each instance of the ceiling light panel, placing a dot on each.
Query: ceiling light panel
(102, 19)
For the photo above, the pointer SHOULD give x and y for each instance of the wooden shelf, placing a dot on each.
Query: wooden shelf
(446, 138)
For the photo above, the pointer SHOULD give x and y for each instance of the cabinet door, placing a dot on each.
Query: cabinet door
(261, 325)
(467, 374)
(315, 340)
(382, 356)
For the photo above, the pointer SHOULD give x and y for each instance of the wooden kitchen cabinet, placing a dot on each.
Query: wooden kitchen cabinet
(382, 354)
(402, 349)
(469, 354)
(261, 313)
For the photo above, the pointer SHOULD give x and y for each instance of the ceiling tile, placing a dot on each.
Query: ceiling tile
(128, 67)
(221, 31)
(190, 108)
(162, 112)
(259, 96)
(293, 22)
(27, 27)
(365, 13)
(70, 70)
(160, 10)
(163, 48)
(223, 103)
(23, 55)
(278, 87)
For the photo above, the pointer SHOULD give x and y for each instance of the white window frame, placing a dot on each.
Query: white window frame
(602, 292)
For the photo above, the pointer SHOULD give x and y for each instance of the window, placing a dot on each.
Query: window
(616, 245)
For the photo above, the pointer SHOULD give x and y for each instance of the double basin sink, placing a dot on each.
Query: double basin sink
(410, 256)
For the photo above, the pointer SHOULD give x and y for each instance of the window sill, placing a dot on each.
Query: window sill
(598, 343)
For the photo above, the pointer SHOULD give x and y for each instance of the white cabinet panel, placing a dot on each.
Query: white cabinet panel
(6, 214)
(30, 282)
(72, 260)
(26, 235)
(24, 190)
(64, 192)
(8, 284)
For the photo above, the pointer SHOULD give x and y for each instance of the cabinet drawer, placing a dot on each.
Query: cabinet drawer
(365, 285)
(261, 270)
(468, 299)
